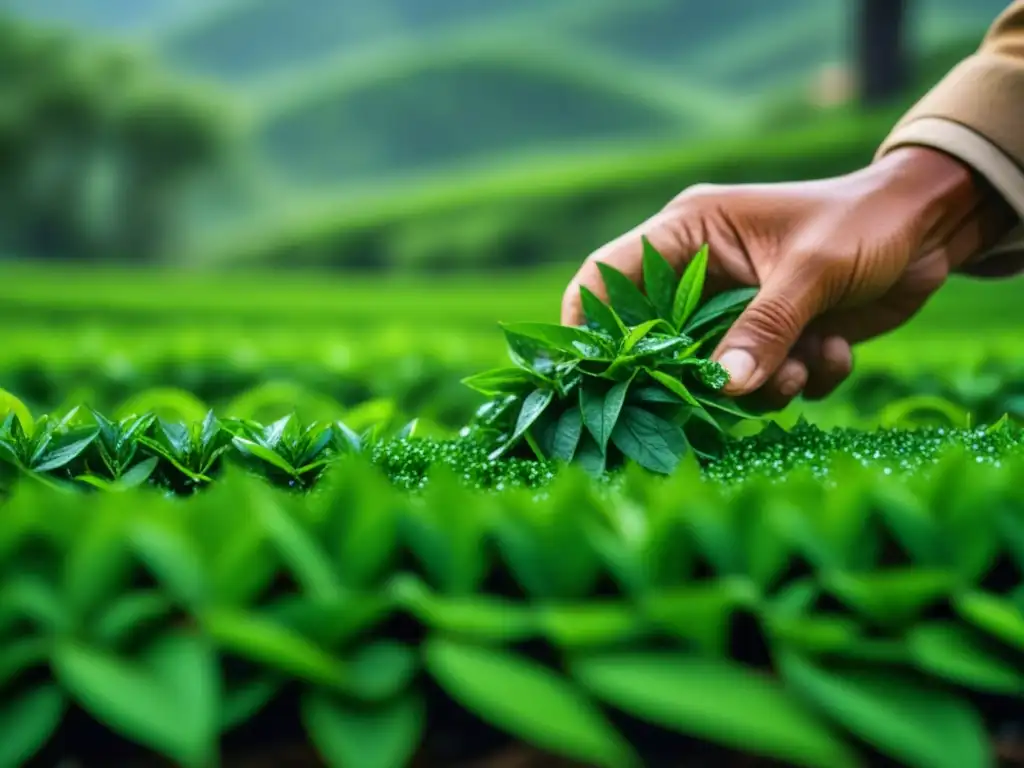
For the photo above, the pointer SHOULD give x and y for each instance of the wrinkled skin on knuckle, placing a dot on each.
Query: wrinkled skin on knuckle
(774, 317)
(826, 276)
(695, 195)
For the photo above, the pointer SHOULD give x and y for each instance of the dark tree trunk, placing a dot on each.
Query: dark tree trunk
(882, 60)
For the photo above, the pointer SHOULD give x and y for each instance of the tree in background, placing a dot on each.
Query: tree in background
(882, 55)
(96, 154)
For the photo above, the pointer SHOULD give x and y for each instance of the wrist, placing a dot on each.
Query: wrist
(957, 211)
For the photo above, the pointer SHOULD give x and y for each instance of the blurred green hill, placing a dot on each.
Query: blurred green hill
(343, 90)
(444, 134)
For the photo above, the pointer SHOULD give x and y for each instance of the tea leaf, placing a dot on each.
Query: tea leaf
(661, 345)
(447, 533)
(21, 655)
(263, 453)
(954, 653)
(211, 428)
(167, 699)
(28, 719)
(653, 395)
(625, 298)
(590, 625)
(577, 342)
(137, 475)
(649, 440)
(298, 549)
(329, 623)
(723, 702)
(816, 634)
(35, 600)
(590, 456)
(675, 386)
(691, 286)
(361, 542)
(920, 725)
(700, 613)
(892, 597)
(168, 455)
(349, 437)
(131, 613)
(502, 381)
(600, 410)
(997, 616)
(474, 617)
(346, 735)
(568, 430)
(534, 404)
(242, 702)
(16, 409)
(660, 280)
(728, 303)
(494, 684)
(600, 316)
(274, 646)
(97, 567)
(168, 556)
(554, 444)
(709, 373)
(65, 454)
(178, 437)
(637, 334)
(381, 670)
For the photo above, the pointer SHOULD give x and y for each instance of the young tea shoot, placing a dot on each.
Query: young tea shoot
(632, 383)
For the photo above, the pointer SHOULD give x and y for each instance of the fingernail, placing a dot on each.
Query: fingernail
(740, 365)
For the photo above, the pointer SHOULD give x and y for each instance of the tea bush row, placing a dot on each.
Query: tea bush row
(87, 450)
(429, 388)
(319, 379)
(817, 624)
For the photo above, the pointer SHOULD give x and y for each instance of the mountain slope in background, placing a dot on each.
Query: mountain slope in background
(342, 91)
(246, 41)
(249, 40)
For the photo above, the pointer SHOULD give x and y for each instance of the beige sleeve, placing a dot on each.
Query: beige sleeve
(976, 113)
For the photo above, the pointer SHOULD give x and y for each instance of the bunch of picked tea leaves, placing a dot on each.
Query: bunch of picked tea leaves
(634, 382)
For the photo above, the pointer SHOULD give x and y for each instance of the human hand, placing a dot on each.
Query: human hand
(838, 261)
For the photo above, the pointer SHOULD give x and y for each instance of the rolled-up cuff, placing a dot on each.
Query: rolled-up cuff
(990, 162)
(984, 93)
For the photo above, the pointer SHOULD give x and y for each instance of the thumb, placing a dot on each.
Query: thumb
(759, 341)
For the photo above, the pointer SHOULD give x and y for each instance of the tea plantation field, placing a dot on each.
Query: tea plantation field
(590, 571)
(106, 334)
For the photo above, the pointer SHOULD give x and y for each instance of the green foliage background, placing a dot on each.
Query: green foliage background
(457, 134)
(326, 208)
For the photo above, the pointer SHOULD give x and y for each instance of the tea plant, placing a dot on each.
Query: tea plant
(113, 460)
(190, 452)
(633, 383)
(882, 616)
(299, 453)
(90, 451)
(43, 446)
